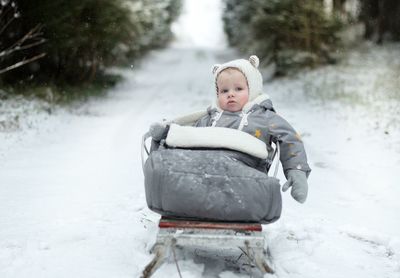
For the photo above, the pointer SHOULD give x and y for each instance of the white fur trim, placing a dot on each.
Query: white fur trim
(215, 138)
(191, 118)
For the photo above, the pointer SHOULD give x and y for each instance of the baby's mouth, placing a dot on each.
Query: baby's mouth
(231, 102)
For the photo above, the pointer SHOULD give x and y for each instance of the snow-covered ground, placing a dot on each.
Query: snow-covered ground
(72, 199)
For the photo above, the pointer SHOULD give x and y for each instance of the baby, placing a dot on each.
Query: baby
(241, 105)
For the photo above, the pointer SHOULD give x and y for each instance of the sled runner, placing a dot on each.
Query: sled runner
(235, 228)
(178, 233)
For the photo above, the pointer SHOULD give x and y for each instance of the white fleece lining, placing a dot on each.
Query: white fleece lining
(191, 118)
(215, 138)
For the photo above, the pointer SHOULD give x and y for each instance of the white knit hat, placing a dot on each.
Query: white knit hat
(250, 70)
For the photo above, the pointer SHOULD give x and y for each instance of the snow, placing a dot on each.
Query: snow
(72, 201)
(193, 27)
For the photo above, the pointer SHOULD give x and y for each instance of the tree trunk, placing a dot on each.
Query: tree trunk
(338, 6)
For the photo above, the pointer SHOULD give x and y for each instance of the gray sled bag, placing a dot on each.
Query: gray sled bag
(210, 184)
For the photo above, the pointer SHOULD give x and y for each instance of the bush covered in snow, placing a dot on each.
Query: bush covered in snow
(83, 37)
(288, 33)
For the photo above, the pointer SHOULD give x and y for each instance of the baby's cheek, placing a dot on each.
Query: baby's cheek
(221, 101)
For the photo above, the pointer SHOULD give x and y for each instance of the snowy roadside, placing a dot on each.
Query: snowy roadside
(349, 118)
(363, 90)
(22, 119)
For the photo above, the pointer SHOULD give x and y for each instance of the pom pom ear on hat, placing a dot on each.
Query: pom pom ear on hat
(215, 68)
(254, 61)
(249, 68)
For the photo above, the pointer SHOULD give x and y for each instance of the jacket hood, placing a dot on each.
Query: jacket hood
(262, 101)
(266, 104)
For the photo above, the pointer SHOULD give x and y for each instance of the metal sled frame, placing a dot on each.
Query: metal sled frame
(247, 237)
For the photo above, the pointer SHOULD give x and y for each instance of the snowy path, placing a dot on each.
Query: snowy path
(72, 202)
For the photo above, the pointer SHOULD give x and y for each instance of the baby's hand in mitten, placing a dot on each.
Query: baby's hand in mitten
(159, 131)
(298, 181)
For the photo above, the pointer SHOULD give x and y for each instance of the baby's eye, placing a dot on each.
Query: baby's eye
(239, 88)
(224, 91)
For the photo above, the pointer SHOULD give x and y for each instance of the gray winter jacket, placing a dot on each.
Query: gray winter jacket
(261, 121)
(221, 184)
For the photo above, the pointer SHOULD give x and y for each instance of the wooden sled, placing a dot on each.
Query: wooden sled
(245, 237)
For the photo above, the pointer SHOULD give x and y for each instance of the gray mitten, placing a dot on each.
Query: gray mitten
(159, 131)
(298, 181)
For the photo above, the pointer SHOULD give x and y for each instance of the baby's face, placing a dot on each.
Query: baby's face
(233, 91)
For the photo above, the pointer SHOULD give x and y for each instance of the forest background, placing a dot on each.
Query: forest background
(60, 50)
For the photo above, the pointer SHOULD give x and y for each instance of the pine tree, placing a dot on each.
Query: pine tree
(83, 37)
(288, 33)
